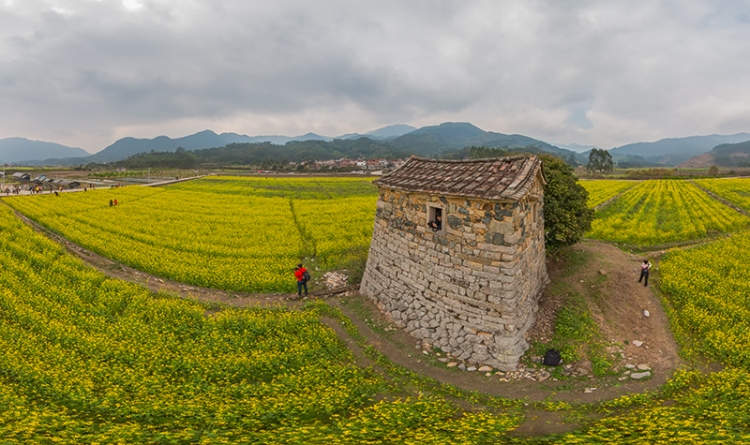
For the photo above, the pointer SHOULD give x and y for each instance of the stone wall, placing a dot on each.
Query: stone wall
(471, 289)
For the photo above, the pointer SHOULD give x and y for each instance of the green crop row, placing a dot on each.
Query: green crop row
(244, 234)
(660, 212)
(600, 190)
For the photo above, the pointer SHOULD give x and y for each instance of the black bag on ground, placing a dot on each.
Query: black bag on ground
(552, 357)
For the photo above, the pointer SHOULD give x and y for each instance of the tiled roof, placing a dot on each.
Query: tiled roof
(494, 179)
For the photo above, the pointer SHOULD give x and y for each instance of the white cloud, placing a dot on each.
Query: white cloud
(132, 5)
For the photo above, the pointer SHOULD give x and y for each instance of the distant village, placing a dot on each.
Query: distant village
(371, 166)
(24, 182)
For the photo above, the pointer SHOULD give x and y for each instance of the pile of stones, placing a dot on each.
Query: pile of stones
(335, 280)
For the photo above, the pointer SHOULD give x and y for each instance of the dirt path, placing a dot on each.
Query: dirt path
(120, 271)
(619, 304)
(620, 316)
(173, 181)
(720, 199)
(613, 199)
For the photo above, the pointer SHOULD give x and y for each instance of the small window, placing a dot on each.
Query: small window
(435, 218)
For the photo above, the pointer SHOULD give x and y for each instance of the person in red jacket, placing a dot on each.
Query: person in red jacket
(303, 276)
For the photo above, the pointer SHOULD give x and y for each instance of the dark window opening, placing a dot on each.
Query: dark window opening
(435, 218)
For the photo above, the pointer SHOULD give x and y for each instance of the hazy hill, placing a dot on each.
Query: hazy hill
(724, 155)
(673, 151)
(282, 140)
(443, 139)
(265, 153)
(451, 136)
(391, 131)
(388, 132)
(578, 148)
(21, 149)
(126, 147)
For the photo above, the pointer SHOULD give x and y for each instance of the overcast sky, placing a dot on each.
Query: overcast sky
(87, 72)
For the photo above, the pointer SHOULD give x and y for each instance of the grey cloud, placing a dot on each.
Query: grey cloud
(556, 70)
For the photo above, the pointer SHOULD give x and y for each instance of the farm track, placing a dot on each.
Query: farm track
(397, 345)
(156, 284)
(612, 199)
(659, 250)
(720, 199)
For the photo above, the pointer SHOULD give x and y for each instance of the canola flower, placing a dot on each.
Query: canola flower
(658, 212)
(232, 233)
(600, 190)
(734, 190)
(89, 359)
(709, 289)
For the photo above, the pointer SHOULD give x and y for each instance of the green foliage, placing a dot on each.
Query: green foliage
(732, 155)
(265, 154)
(600, 161)
(177, 159)
(487, 152)
(566, 214)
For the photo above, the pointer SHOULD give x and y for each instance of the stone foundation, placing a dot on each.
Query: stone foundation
(471, 289)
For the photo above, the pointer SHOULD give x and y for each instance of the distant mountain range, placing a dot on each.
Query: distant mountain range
(389, 132)
(435, 140)
(674, 151)
(451, 136)
(397, 139)
(21, 149)
(578, 148)
(724, 155)
(127, 147)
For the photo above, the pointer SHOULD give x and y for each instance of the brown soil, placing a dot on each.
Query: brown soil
(619, 314)
(618, 310)
(618, 306)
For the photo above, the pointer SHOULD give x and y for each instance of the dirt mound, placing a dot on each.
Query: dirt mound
(619, 306)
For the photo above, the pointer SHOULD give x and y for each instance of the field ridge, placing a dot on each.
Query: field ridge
(724, 201)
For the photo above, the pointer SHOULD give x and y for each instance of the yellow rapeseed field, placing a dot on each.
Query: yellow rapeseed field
(600, 190)
(89, 359)
(234, 233)
(734, 190)
(659, 212)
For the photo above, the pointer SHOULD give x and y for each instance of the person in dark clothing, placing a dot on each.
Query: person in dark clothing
(436, 224)
(111, 203)
(303, 276)
(645, 268)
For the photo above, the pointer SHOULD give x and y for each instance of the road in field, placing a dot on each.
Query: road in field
(243, 234)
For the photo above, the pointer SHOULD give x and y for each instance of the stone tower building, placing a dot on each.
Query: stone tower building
(470, 283)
